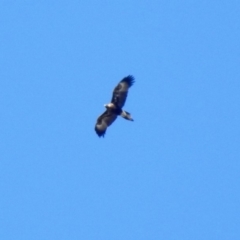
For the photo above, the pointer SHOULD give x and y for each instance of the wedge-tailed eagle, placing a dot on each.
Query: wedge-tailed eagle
(114, 108)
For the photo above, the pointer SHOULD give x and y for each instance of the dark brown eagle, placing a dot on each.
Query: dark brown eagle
(114, 108)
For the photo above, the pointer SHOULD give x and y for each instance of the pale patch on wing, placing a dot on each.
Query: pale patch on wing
(101, 126)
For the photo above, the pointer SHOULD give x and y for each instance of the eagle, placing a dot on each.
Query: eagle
(114, 108)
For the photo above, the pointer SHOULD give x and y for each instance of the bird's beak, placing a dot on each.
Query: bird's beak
(105, 105)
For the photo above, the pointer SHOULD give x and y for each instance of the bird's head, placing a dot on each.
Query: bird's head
(109, 105)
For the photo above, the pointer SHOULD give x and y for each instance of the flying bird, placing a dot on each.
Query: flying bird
(114, 108)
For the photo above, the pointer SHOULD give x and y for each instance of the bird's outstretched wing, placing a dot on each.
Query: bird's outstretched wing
(121, 90)
(104, 121)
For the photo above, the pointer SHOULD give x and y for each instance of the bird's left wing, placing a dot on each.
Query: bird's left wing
(104, 121)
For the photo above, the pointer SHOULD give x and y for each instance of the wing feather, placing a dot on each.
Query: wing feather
(121, 90)
(104, 121)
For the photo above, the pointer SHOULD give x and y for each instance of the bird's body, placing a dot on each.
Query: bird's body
(114, 108)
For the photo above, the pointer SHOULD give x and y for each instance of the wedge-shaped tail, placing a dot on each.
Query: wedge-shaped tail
(126, 115)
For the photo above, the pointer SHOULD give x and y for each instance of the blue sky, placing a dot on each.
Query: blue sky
(171, 174)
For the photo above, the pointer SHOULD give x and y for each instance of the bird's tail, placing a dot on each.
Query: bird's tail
(126, 115)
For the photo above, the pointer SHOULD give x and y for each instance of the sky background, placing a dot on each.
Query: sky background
(173, 173)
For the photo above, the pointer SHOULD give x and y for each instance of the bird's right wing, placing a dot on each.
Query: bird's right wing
(104, 121)
(120, 92)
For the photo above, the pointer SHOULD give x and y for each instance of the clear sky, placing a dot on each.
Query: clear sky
(173, 173)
